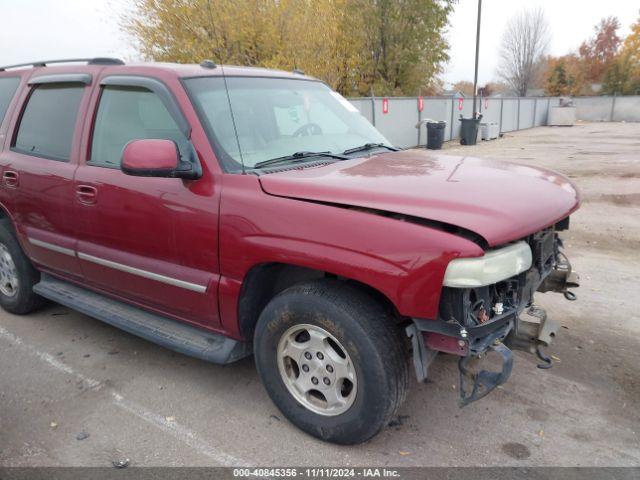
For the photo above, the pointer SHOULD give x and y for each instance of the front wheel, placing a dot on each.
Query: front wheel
(332, 360)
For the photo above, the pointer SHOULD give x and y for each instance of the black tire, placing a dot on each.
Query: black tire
(24, 300)
(370, 337)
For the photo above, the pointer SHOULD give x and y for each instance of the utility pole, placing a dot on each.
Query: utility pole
(475, 77)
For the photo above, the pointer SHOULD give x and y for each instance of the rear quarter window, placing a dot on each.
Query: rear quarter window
(8, 87)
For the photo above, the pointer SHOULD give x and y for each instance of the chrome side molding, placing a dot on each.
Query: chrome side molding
(144, 273)
(52, 247)
(194, 287)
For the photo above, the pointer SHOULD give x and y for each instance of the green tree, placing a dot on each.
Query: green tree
(392, 47)
(557, 83)
(621, 77)
(563, 76)
(406, 41)
(613, 80)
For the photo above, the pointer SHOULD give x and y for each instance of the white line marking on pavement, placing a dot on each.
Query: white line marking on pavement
(50, 359)
(179, 432)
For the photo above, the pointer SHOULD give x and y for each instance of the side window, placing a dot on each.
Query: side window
(125, 114)
(48, 121)
(8, 87)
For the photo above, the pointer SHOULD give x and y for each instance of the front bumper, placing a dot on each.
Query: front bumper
(521, 325)
(528, 331)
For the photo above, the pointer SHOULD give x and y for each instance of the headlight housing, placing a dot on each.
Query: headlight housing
(493, 267)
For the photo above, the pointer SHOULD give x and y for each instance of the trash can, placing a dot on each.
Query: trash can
(489, 131)
(469, 130)
(435, 134)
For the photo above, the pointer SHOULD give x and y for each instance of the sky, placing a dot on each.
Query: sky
(47, 29)
(570, 22)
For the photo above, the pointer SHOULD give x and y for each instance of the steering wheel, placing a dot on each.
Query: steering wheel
(308, 129)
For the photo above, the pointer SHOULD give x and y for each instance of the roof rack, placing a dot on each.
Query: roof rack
(88, 61)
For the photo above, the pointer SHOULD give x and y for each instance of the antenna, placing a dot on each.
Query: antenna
(233, 120)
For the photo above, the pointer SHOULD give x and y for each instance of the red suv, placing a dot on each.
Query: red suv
(223, 211)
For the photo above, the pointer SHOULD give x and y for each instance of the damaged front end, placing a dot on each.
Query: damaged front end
(487, 307)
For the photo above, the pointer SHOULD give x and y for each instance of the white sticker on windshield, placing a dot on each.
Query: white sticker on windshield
(345, 103)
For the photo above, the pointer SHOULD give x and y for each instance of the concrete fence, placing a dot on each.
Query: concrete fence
(396, 117)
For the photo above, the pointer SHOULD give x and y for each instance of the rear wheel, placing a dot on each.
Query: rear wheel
(17, 275)
(332, 360)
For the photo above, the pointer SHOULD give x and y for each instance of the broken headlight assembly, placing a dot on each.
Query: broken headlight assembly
(493, 267)
(486, 305)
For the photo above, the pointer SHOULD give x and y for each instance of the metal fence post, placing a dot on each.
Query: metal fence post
(451, 128)
(501, 110)
(373, 110)
(535, 107)
(518, 120)
(613, 106)
(419, 120)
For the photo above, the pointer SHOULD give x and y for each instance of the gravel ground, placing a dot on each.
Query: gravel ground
(64, 374)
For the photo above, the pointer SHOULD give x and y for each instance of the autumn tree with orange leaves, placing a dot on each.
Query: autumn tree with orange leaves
(356, 46)
(604, 59)
(599, 52)
(622, 77)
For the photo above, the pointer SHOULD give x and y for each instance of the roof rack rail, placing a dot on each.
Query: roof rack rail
(88, 61)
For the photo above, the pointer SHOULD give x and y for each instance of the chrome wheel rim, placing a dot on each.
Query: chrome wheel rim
(8, 273)
(317, 370)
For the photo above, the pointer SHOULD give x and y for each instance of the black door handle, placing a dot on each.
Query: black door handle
(87, 194)
(10, 178)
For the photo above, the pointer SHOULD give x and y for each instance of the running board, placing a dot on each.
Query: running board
(164, 331)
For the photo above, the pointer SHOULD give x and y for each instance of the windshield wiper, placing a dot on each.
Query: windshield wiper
(298, 156)
(369, 146)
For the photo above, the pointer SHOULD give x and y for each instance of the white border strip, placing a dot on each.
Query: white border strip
(144, 273)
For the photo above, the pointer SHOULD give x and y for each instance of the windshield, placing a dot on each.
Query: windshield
(276, 117)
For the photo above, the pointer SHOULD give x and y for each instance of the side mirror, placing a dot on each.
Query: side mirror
(153, 158)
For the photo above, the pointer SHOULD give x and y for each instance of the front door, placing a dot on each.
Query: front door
(133, 239)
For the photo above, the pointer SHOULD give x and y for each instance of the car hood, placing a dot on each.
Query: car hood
(500, 201)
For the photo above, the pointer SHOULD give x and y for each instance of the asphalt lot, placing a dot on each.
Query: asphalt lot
(63, 373)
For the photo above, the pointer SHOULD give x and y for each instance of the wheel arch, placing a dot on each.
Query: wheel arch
(264, 281)
(7, 218)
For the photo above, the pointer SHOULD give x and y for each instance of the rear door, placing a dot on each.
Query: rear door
(39, 167)
(9, 83)
(133, 232)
